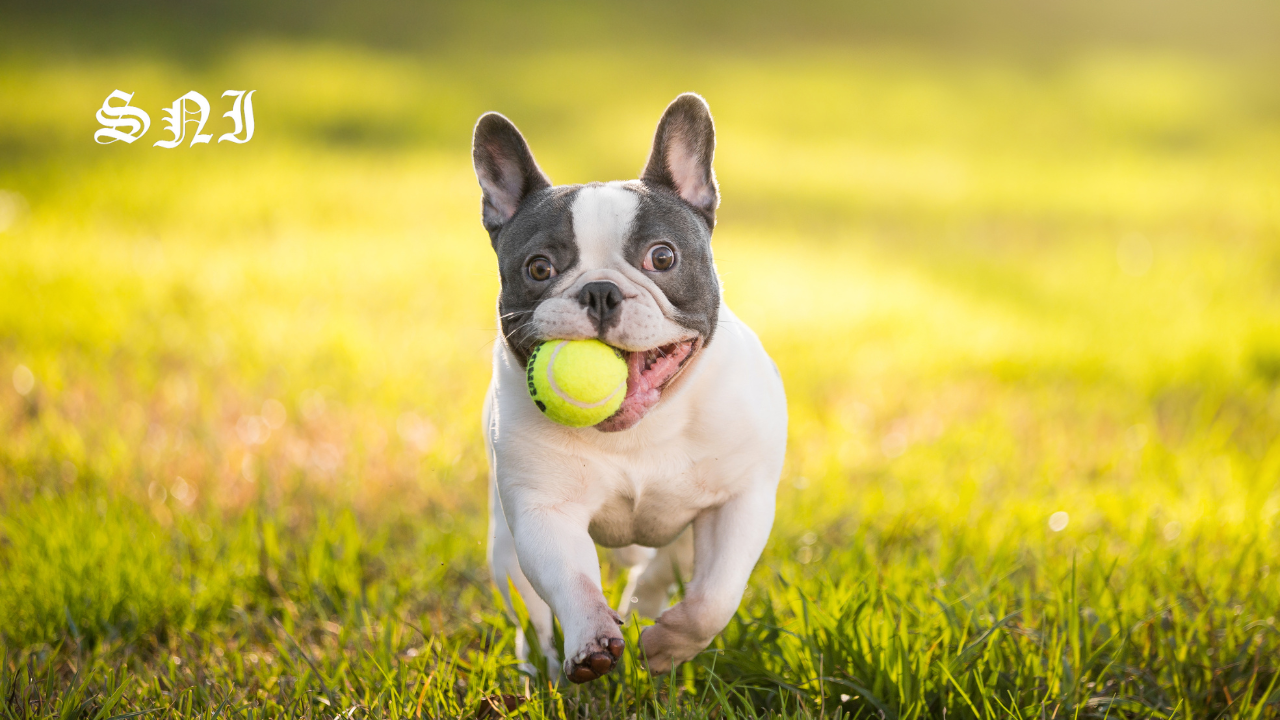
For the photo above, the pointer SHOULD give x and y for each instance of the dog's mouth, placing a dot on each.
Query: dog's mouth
(649, 373)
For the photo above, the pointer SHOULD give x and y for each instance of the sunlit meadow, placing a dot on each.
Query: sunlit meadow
(1027, 313)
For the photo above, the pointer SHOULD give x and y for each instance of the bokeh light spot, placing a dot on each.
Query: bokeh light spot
(23, 380)
(1058, 521)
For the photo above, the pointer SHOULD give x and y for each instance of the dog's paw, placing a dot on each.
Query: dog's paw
(657, 644)
(595, 660)
(672, 640)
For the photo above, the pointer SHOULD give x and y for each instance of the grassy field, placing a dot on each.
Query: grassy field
(1027, 313)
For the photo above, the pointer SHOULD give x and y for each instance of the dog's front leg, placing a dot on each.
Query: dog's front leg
(559, 559)
(727, 543)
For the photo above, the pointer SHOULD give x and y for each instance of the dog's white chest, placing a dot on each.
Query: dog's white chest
(645, 485)
(648, 501)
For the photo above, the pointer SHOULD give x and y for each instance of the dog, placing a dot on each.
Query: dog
(681, 480)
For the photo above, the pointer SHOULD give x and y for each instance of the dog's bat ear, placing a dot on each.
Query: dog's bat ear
(683, 148)
(505, 168)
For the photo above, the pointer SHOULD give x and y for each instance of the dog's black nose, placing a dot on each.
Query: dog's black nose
(603, 301)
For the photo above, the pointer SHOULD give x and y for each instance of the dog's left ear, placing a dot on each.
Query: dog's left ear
(683, 148)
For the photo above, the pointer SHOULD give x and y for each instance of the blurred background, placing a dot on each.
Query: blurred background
(1019, 264)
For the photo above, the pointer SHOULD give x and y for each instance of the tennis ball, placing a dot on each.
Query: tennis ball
(577, 382)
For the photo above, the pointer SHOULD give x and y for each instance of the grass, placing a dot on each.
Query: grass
(247, 479)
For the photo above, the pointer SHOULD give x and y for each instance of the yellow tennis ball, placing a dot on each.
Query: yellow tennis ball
(577, 382)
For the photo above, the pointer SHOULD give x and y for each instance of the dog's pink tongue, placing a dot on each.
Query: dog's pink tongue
(644, 386)
(641, 395)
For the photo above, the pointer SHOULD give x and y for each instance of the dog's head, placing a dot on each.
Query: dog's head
(626, 262)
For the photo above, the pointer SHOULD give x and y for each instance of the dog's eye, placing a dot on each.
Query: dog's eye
(541, 269)
(660, 258)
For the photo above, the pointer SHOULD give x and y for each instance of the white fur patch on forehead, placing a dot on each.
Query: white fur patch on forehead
(602, 218)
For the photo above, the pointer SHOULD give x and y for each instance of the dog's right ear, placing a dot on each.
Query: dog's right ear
(505, 168)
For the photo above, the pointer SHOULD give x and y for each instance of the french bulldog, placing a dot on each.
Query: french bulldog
(681, 480)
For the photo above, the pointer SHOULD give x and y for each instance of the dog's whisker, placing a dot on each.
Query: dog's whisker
(518, 328)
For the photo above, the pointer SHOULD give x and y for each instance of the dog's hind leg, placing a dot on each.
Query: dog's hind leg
(636, 558)
(652, 578)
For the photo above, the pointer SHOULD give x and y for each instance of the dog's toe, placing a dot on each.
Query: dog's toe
(596, 661)
(600, 663)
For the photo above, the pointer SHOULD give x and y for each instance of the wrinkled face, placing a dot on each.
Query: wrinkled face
(619, 262)
(628, 263)
(613, 261)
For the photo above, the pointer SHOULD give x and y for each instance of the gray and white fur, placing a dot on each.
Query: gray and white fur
(682, 479)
